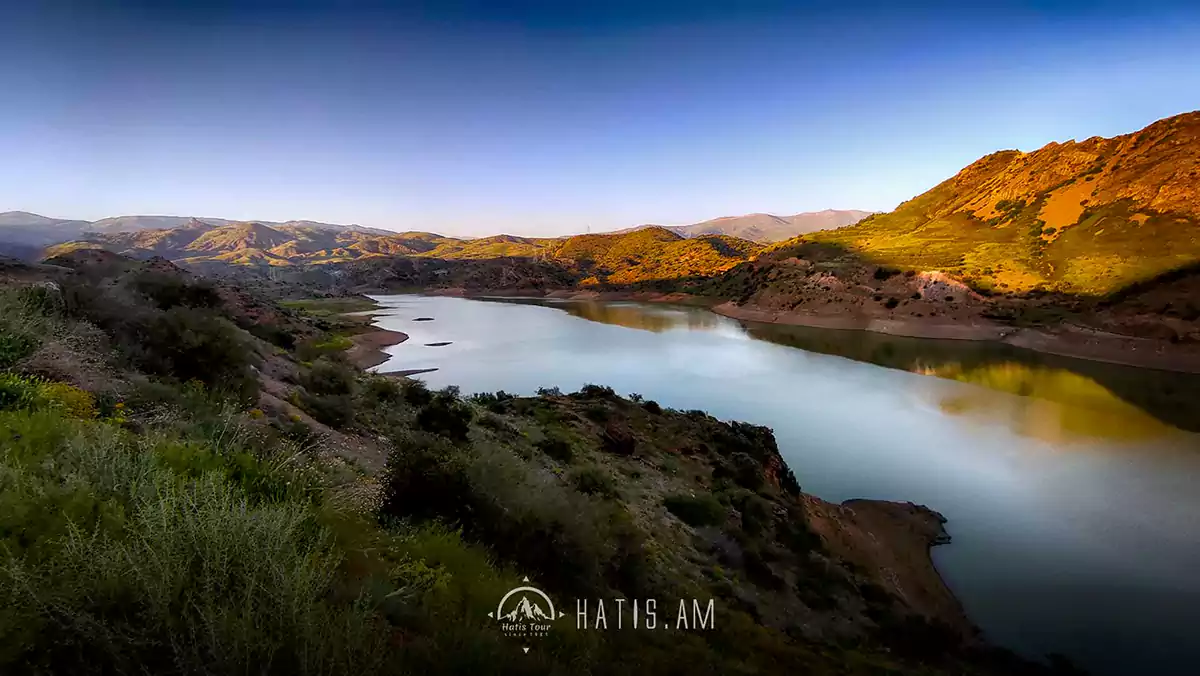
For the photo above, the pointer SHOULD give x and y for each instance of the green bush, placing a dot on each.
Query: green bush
(447, 416)
(556, 446)
(416, 393)
(168, 290)
(595, 481)
(493, 402)
(128, 568)
(190, 344)
(704, 510)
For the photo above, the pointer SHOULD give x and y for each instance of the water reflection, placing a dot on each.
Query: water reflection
(1054, 405)
(1061, 399)
(630, 315)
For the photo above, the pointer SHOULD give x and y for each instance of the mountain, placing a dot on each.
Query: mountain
(21, 232)
(1088, 217)
(1097, 241)
(200, 241)
(767, 228)
(646, 255)
(526, 610)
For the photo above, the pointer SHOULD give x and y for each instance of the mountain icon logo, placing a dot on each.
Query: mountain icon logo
(526, 612)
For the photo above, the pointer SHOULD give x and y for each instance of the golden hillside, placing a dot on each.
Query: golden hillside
(1086, 217)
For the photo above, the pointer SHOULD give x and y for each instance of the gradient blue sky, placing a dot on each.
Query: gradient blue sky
(553, 117)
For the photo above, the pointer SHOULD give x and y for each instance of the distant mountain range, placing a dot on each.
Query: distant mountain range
(767, 228)
(25, 235)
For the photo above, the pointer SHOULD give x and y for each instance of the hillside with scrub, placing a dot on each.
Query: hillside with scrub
(1085, 218)
(197, 481)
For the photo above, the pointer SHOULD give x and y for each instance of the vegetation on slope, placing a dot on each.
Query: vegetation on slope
(1086, 218)
(183, 496)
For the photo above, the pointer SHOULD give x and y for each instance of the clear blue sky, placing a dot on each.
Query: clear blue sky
(550, 117)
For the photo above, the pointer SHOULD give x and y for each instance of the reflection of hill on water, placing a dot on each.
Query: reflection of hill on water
(1110, 400)
(631, 315)
(1055, 405)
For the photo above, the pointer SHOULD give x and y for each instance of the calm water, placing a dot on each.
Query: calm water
(1072, 487)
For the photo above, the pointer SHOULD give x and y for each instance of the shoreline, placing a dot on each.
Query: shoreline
(1066, 340)
(367, 351)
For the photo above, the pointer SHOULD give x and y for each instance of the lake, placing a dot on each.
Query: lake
(1072, 488)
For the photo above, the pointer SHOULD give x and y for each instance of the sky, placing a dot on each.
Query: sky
(544, 117)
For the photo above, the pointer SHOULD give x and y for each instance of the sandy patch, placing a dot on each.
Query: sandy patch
(1063, 207)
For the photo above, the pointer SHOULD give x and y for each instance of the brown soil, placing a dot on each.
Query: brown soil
(1066, 340)
(368, 347)
(891, 540)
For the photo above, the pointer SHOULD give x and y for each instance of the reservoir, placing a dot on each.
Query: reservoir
(1072, 488)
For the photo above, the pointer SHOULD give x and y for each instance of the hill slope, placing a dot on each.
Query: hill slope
(1086, 217)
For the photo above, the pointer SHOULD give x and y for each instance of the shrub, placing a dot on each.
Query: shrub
(447, 416)
(590, 391)
(493, 402)
(556, 446)
(882, 272)
(72, 401)
(329, 377)
(416, 393)
(16, 392)
(117, 561)
(19, 392)
(594, 481)
(14, 347)
(335, 410)
(426, 479)
(695, 511)
(652, 406)
(168, 290)
(189, 344)
(891, 303)
(381, 390)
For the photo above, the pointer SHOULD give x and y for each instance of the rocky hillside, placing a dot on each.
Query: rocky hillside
(198, 482)
(1086, 218)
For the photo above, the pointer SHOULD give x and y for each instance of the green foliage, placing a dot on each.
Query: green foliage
(493, 402)
(555, 445)
(595, 481)
(567, 541)
(129, 568)
(168, 290)
(703, 510)
(20, 392)
(446, 415)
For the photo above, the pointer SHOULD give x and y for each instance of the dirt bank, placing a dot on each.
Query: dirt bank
(1066, 340)
(892, 540)
(367, 350)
